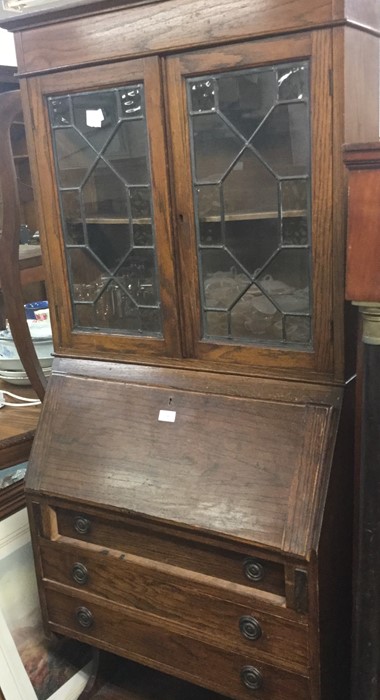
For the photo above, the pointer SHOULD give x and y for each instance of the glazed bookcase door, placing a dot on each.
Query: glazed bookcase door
(254, 200)
(111, 263)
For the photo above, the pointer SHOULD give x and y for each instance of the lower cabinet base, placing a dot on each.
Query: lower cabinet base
(114, 628)
(121, 679)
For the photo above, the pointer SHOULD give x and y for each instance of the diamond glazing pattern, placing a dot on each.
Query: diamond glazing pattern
(101, 158)
(250, 142)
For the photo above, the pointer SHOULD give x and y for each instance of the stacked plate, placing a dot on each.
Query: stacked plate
(11, 368)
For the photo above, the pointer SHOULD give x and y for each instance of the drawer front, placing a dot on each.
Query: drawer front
(161, 545)
(238, 676)
(208, 610)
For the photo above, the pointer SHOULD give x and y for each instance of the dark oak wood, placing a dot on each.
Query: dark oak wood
(170, 489)
(54, 254)
(191, 533)
(157, 26)
(364, 14)
(142, 585)
(131, 681)
(243, 56)
(362, 278)
(363, 164)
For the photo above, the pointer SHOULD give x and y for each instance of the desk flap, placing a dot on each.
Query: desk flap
(249, 469)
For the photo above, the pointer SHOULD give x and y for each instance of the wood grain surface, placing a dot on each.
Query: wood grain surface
(163, 647)
(363, 254)
(105, 445)
(159, 28)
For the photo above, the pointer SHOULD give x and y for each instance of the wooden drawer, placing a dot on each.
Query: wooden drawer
(230, 617)
(161, 544)
(161, 646)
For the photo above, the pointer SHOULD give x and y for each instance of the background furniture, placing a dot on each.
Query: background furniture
(11, 282)
(22, 276)
(17, 429)
(363, 289)
(190, 487)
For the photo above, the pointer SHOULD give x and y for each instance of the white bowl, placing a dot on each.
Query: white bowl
(10, 359)
(8, 364)
(20, 378)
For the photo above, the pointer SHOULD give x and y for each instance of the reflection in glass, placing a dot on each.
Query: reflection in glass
(251, 179)
(202, 95)
(215, 147)
(101, 156)
(95, 116)
(223, 280)
(245, 99)
(209, 214)
(104, 194)
(255, 316)
(74, 157)
(131, 100)
(295, 230)
(216, 323)
(72, 216)
(127, 152)
(286, 281)
(140, 199)
(137, 275)
(283, 140)
(60, 111)
(298, 329)
(292, 83)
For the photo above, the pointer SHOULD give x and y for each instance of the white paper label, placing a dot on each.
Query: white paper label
(167, 416)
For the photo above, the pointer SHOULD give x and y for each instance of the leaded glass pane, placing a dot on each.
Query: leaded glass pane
(74, 157)
(140, 199)
(131, 102)
(293, 83)
(104, 195)
(202, 95)
(215, 147)
(209, 214)
(298, 329)
(60, 113)
(283, 140)
(102, 161)
(286, 282)
(127, 152)
(223, 279)
(255, 316)
(216, 323)
(294, 208)
(250, 194)
(95, 116)
(250, 141)
(245, 99)
(137, 275)
(71, 209)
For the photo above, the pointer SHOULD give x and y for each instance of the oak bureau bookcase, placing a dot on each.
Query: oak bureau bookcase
(190, 483)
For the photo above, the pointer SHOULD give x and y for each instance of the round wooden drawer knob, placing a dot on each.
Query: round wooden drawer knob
(251, 678)
(250, 628)
(253, 570)
(82, 525)
(79, 573)
(84, 617)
